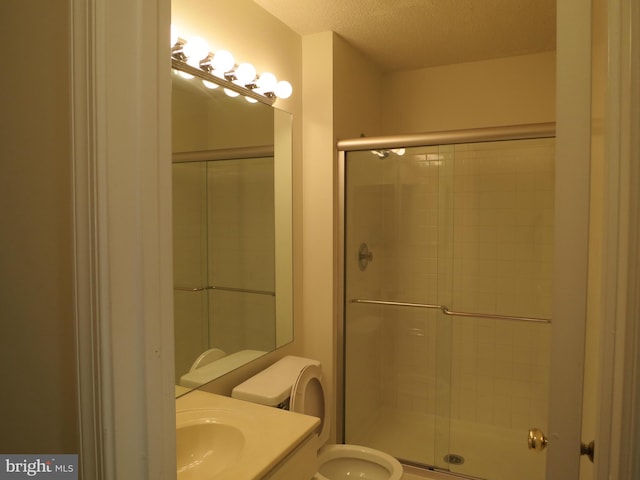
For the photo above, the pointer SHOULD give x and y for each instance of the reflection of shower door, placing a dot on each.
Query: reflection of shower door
(224, 257)
(470, 228)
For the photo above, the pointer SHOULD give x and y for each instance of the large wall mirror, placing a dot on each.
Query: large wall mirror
(232, 232)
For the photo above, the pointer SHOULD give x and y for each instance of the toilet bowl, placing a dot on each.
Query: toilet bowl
(298, 384)
(346, 462)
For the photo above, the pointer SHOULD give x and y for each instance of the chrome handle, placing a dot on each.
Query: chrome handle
(537, 440)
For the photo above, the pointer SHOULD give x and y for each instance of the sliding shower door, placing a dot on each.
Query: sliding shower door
(397, 357)
(448, 267)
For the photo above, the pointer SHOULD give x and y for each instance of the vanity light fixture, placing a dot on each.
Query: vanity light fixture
(193, 57)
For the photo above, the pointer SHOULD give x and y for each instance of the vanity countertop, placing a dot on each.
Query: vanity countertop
(272, 435)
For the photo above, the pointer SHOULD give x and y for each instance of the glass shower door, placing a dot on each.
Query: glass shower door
(503, 205)
(448, 276)
(396, 356)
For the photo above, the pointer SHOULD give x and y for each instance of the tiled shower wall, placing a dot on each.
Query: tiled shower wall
(502, 263)
(470, 227)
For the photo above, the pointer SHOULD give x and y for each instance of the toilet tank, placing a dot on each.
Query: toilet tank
(272, 386)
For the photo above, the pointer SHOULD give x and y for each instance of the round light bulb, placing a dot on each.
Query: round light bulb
(231, 93)
(222, 61)
(251, 100)
(245, 73)
(283, 89)
(267, 82)
(195, 50)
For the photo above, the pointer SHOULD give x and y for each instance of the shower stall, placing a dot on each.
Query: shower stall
(447, 280)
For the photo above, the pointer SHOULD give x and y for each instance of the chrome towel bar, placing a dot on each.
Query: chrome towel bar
(444, 309)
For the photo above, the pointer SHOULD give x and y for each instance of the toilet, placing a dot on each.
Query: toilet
(297, 384)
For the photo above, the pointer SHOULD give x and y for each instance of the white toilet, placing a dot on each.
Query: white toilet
(297, 384)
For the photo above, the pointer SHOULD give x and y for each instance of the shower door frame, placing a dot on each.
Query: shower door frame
(492, 134)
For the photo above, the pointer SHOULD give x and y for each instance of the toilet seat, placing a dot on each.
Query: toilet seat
(309, 396)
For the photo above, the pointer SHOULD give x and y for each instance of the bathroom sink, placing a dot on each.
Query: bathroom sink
(208, 442)
(221, 438)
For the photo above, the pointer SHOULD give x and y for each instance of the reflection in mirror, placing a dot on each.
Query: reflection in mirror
(232, 231)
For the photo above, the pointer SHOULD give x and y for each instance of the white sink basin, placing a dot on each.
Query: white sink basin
(207, 443)
(221, 438)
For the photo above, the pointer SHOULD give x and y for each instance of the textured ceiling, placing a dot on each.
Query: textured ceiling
(409, 34)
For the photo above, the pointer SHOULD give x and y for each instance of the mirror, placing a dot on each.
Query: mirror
(232, 230)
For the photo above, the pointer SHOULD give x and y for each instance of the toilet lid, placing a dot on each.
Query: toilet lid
(309, 396)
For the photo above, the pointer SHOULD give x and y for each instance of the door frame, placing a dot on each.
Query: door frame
(618, 423)
(120, 89)
(571, 237)
(618, 363)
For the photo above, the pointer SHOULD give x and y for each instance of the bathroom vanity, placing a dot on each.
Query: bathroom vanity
(222, 438)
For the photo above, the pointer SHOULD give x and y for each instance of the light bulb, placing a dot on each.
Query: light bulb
(222, 61)
(267, 82)
(283, 89)
(209, 85)
(251, 100)
(245, 73)
(398, 151)
(231, 93)
(195, 50)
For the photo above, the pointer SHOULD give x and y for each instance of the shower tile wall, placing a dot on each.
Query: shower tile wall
(502, 263)
(412, 230)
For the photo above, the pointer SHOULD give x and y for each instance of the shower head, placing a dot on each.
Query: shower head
(381, 153)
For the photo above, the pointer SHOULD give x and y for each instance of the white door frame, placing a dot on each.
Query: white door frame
(618, 425)
(618, 436)
(122, 185)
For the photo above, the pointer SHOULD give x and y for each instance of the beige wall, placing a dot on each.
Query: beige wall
(341, 89)
(37, 344)
(357, 89)
(507, 91)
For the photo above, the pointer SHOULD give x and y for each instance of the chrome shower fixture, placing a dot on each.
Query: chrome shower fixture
(385, 153)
